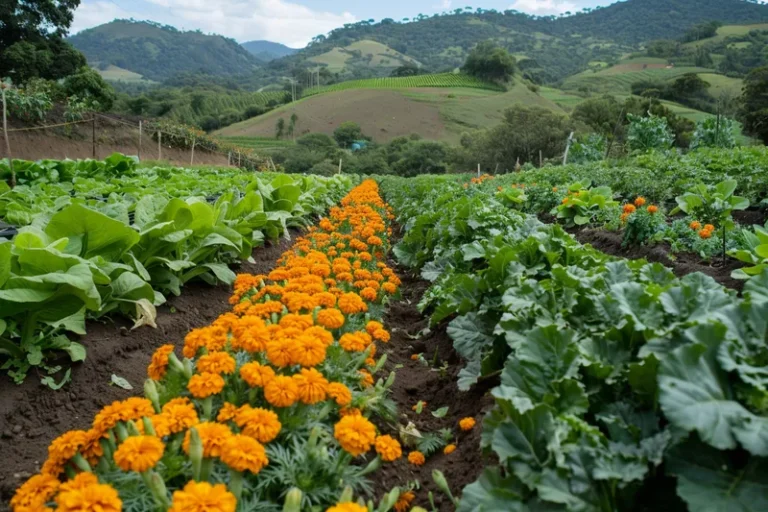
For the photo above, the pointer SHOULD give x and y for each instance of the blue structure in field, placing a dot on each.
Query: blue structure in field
(359, 145)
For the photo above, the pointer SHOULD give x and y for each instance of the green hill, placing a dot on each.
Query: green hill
(364, 53)
(158, 52)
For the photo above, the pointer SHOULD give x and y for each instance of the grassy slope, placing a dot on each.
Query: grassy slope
(618, 81)
(116, 74)
(727, 31)
(382, 56)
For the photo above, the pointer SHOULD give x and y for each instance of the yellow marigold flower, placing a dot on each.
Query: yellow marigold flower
(355, 434)
(212, 435)
(313, 387)
(640, 202)
(139, 453)
(388, 448)
(366, 379)
(244, 453)
(449, 449)
(308, 351)
(340, 393)
(256, 375)
(404, 501)
(260, 424)
(180, 415)
(416, 458)
(467, 424)
(101, 498)
(347, 507)
(281, 391)
(320, 333)
(278, 274)
(205, 384)
(218, 362)
(325, 299)
(203, 497)
(67, 445)
(159, 365)
(35, 492)
(351, 303)
(330, 318)
(226, 413)
(128, 410)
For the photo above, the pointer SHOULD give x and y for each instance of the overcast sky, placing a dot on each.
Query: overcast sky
(291, 22)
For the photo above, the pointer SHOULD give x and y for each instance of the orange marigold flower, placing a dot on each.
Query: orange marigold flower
(695, 225)
(388, 448)
(133, 408)
(415, 357)
(369, 294)
(709, 227)
(353, 342)
(204, 385)
(390, 288)
(308, 351)
(325, 299)
(35, 492)
(629, 208)
(624, 217)
(330, 318)
(381, 335)
(67, 445)
(640, 202)
(159, 365)
(467, 424)
(260, 424)
(351, 303)
(256, 375)
(416, 458)
(180, 415)
(653, 209)
(280, 353)
(281, 391)
(340, 393)
(355, 434)
(404, 501)
(366, 379)
(80, 481)
(218, 362)
(203, 497)
(313, 387)
(449, 449)
(212, 435)
(373, 326)
(347, 507)
(139, 453)
(244, 453)
(227, 412)
(705, 234)
(101, 498)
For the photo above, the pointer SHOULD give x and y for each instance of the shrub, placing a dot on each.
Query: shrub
(648, 133)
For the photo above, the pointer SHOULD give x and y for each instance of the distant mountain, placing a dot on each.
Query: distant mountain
(159, 52)
(551, 47)
(267, 51)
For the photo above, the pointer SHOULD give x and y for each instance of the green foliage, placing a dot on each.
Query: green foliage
(648, 133)
(422, 157)
(642, 226)
(712, 204)
(622, 387)
(28, 104)
(715, 132)
(409, 82)
(347, 133)
(89, 85)
(584, 204)
(490, 62)
(110, 237)
(589, 149)
(755, 99)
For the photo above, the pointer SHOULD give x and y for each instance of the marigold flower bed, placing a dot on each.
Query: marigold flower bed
(274, 395)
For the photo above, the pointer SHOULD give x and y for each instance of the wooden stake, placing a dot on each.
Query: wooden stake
(7, 142)
(140, 131)
(541, 159)
(238, 159)
(229, 159)
(192, 160)
(159, 145)
(93, 135)
(339, 165)
(567, 149)
(478, 170)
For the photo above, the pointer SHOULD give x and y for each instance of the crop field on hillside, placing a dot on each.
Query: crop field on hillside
(260, 143)
(441, 80)
(607, 81)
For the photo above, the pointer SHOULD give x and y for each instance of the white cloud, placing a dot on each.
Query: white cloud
(92, 14)
(544, 7)
(246, 20)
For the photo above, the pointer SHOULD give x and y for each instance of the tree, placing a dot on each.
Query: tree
(422, 157)
(88, 84)
(490, 62)
(41, 26)
(347, 133)
(280, 128)
(755, 100)
(292, 126)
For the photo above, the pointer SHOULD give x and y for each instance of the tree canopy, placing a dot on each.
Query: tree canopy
(490, 62)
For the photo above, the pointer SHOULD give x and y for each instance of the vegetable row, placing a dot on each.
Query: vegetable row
(621, 386)
(94, 238)
(265, 409)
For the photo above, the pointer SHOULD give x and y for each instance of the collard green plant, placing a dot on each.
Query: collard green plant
(649, 133)
(715, 132)
(583, 204)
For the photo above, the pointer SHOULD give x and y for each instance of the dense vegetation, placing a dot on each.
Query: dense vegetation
(158, 52)
(267, 51)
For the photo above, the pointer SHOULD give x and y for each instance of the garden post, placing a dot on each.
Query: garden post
(93, 134)
(7, 142)
(140, 130)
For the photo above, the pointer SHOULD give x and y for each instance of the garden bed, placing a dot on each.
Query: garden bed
(32, 414)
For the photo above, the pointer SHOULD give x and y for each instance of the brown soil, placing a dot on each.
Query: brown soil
(683, 264)
(76, 142)
(32, 415)
(751, 217)
(382, 114)
(413, 382)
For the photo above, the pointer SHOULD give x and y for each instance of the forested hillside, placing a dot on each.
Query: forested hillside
(267, 50)
(159, 52)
